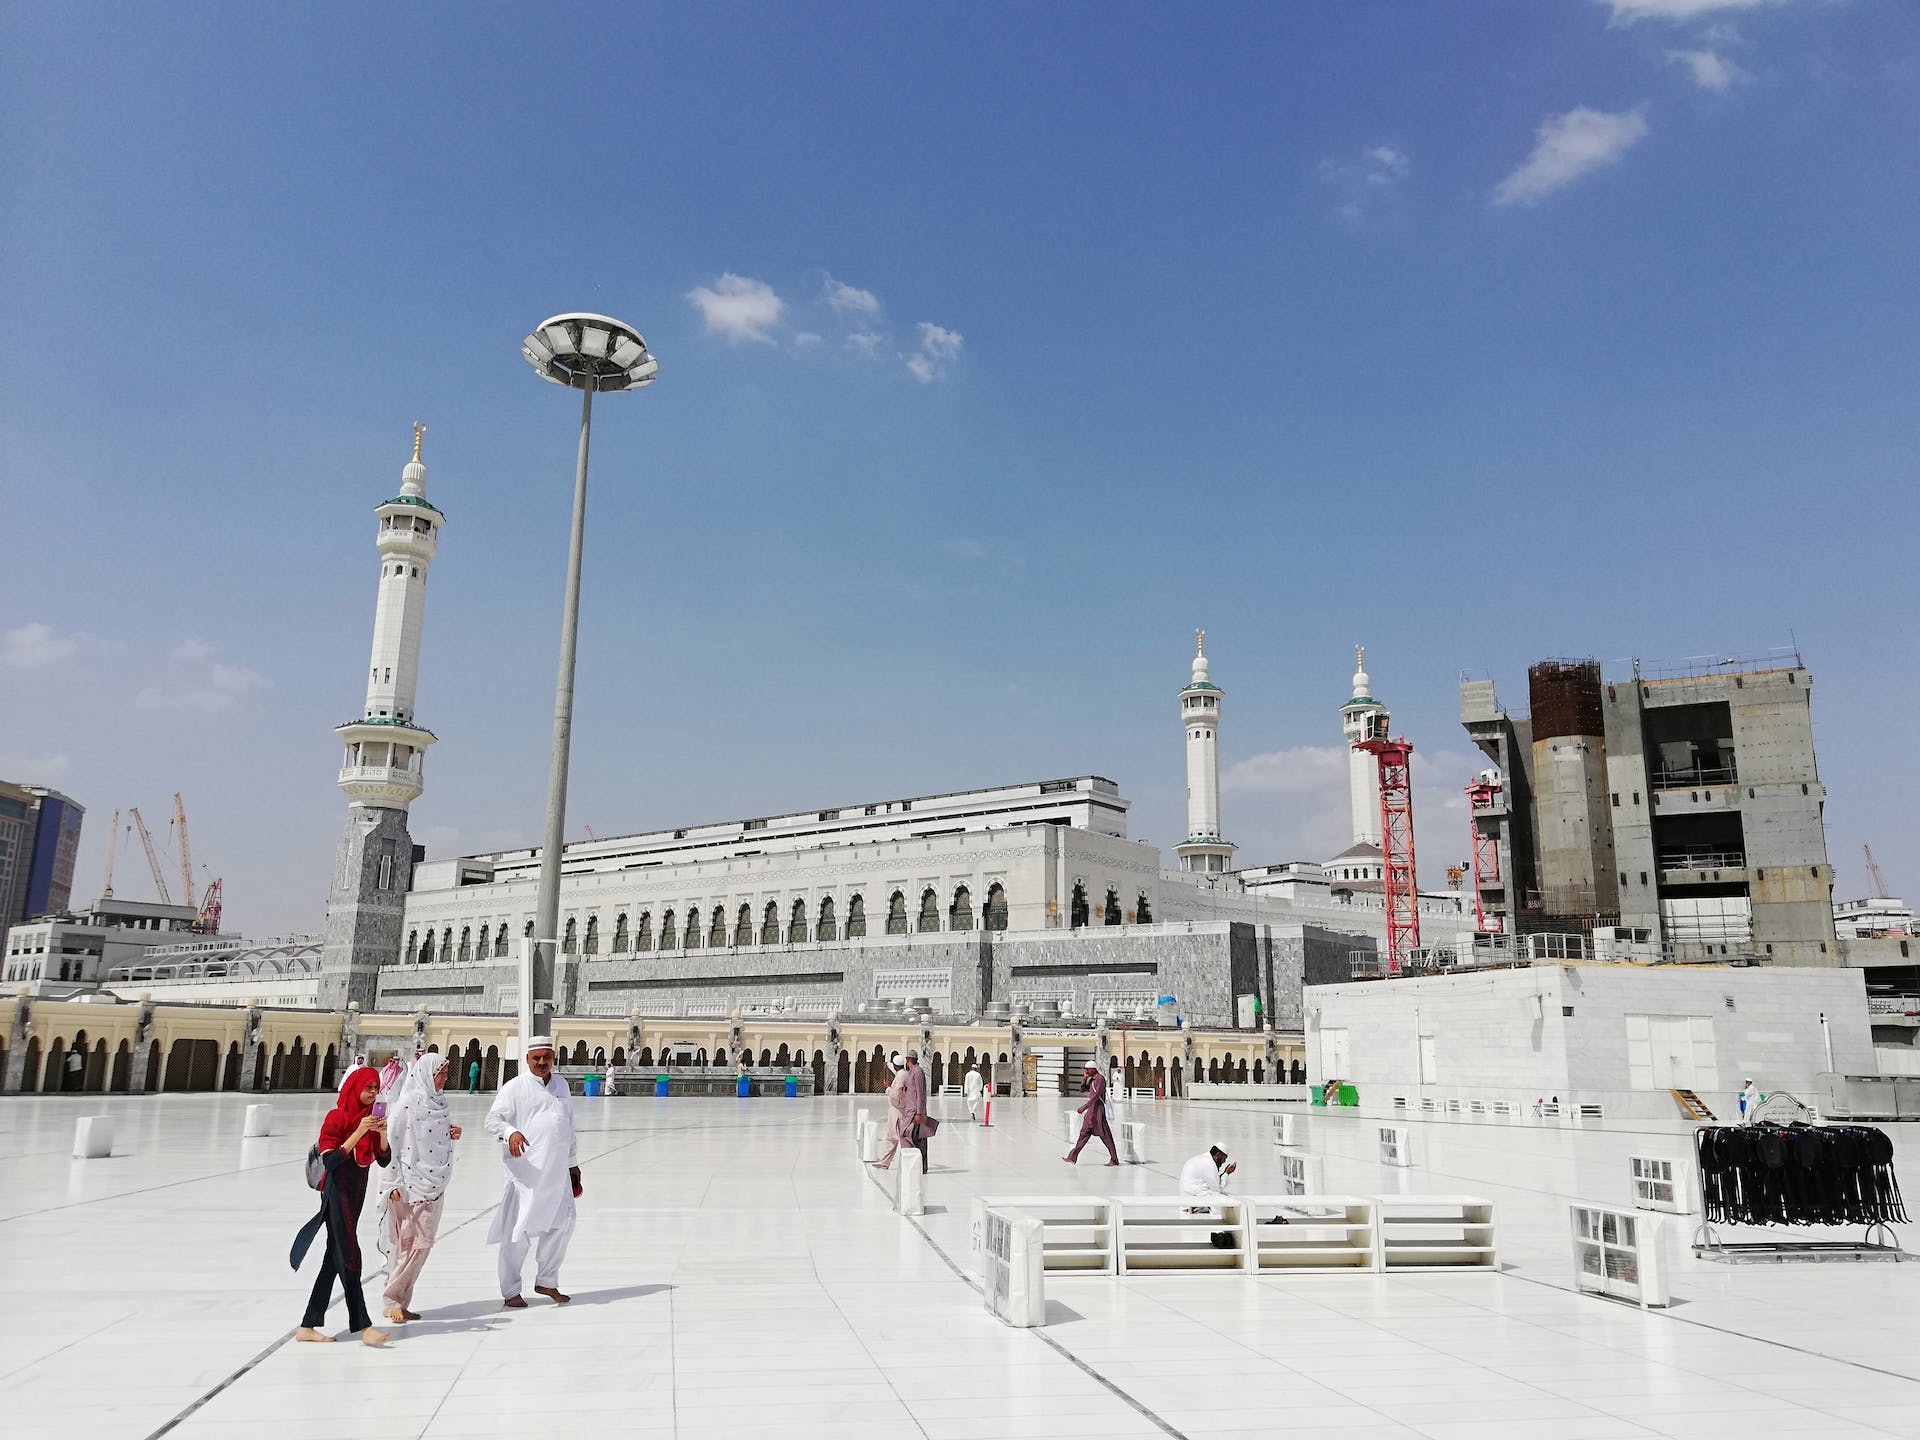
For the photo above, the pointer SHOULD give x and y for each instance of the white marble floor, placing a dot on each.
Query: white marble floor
(737, 1272)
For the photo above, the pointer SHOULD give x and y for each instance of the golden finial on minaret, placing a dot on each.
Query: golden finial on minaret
(1199, 643)
(418, 431)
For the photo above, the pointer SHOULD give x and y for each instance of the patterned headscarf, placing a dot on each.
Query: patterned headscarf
(417, 1127)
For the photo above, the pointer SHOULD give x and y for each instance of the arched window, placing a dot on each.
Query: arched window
(693, 927)
(856, 919)
(466, 943)
(621, 939)
(1110, 913)
(481, 950)
(743, 926)
(929, 910)
(667, 936)
(446, 943)
(996, 907)
(960, 916)
(717, 932)
(412, 951)
(500, 941)
(592, 946)
(826, 930)
(643, 936)
(528, 934)
(1142, 914)
(570, 940)
(897, 914)
(426, 949)
(770, 924)
(797, 924)
(1078, 916)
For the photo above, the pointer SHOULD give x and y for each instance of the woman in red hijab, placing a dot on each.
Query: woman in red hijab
(351, 1139)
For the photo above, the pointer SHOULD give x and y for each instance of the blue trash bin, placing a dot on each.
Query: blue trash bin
(660, 1086)
(745, 1087)
(590, 1085)
(793, 1086)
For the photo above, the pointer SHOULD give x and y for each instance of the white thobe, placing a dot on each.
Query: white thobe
(538, 1200)
(974, 1088)
(1200, 1176)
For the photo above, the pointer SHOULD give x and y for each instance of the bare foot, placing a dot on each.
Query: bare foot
(399, 1314)
(307, 1332)
(514, 1302)
(552, 1294)
(371, 1336)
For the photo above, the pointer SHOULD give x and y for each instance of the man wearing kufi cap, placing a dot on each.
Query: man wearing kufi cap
(1093, 1121)
(533, 1117)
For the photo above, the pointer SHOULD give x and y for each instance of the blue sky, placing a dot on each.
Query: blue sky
(1001, 346)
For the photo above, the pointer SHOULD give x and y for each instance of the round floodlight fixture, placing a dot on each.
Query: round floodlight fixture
(589, 352)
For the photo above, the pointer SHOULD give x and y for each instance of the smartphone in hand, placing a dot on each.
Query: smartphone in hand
(379, 1109)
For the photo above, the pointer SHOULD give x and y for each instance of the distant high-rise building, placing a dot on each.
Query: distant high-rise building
(39, 840)
(1684, 808)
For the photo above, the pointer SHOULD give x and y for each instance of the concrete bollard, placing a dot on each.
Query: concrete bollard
(910, 1190)
(259, 1122)
(1013, 1268)
(1133, 1143)
(93, 1137)
(870, 1143)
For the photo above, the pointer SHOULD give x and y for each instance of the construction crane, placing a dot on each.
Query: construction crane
(1879, 881)
(153, 859)
(207, 922)
(113, 849)
(1396, 843)
(186, 854)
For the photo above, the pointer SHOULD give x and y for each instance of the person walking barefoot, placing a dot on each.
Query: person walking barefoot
(422, 1143)
(351, 1139)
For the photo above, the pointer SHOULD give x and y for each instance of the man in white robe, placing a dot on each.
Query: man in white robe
(533, 1117)
(975, 1090)
(1204, 1176)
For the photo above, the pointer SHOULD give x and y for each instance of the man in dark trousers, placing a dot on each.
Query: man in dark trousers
(1094, 1117)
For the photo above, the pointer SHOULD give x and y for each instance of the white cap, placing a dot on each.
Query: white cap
(895, 1060)
(538, 1042)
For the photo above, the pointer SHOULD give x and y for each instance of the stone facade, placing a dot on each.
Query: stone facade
(372, 869)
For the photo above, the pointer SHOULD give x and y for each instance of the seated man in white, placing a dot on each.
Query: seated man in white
(1206, 1175)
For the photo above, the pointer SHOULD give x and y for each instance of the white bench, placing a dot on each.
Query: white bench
(1077, 1230)
(1312, 1232)
(93, 1137)
(1160, 1232)
(1436, 1232)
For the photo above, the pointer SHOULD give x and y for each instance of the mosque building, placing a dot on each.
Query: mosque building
(1022, 892)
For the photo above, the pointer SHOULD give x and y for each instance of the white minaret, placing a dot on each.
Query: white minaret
(1363, 718)
(381, 770)
(1204, 850)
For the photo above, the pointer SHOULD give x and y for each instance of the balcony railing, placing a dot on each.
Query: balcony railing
(1696, 776)
(1702, 860)
(1893, 1005)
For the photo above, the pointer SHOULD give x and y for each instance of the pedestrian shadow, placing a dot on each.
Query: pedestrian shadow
(490, 1315)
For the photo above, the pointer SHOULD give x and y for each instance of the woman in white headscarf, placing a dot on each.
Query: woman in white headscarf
(421, 1138)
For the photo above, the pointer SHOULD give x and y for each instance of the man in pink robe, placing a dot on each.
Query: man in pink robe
(1093, 1121)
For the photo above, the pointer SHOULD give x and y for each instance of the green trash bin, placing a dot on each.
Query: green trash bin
(1317, 1096)
(793, 1086)
(590, 1084)
(1349, 1095)
(744, 1088)
(660, 1086)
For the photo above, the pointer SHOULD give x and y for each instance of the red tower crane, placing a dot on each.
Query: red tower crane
(1396, 844)
(1481, 795)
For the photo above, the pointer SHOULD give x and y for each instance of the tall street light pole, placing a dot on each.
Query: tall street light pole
(587, 353)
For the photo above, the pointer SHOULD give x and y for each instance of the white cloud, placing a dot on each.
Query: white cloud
(739, 308)
(939, 348)
(851, 299)
(1363, 184)
(193, 677)
(35, 644)
(1710, 69)
(1625, 12)
(1567, 147)
(807, 340)
(865, 341)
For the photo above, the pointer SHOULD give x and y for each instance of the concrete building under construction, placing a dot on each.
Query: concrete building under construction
(1677, 815)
